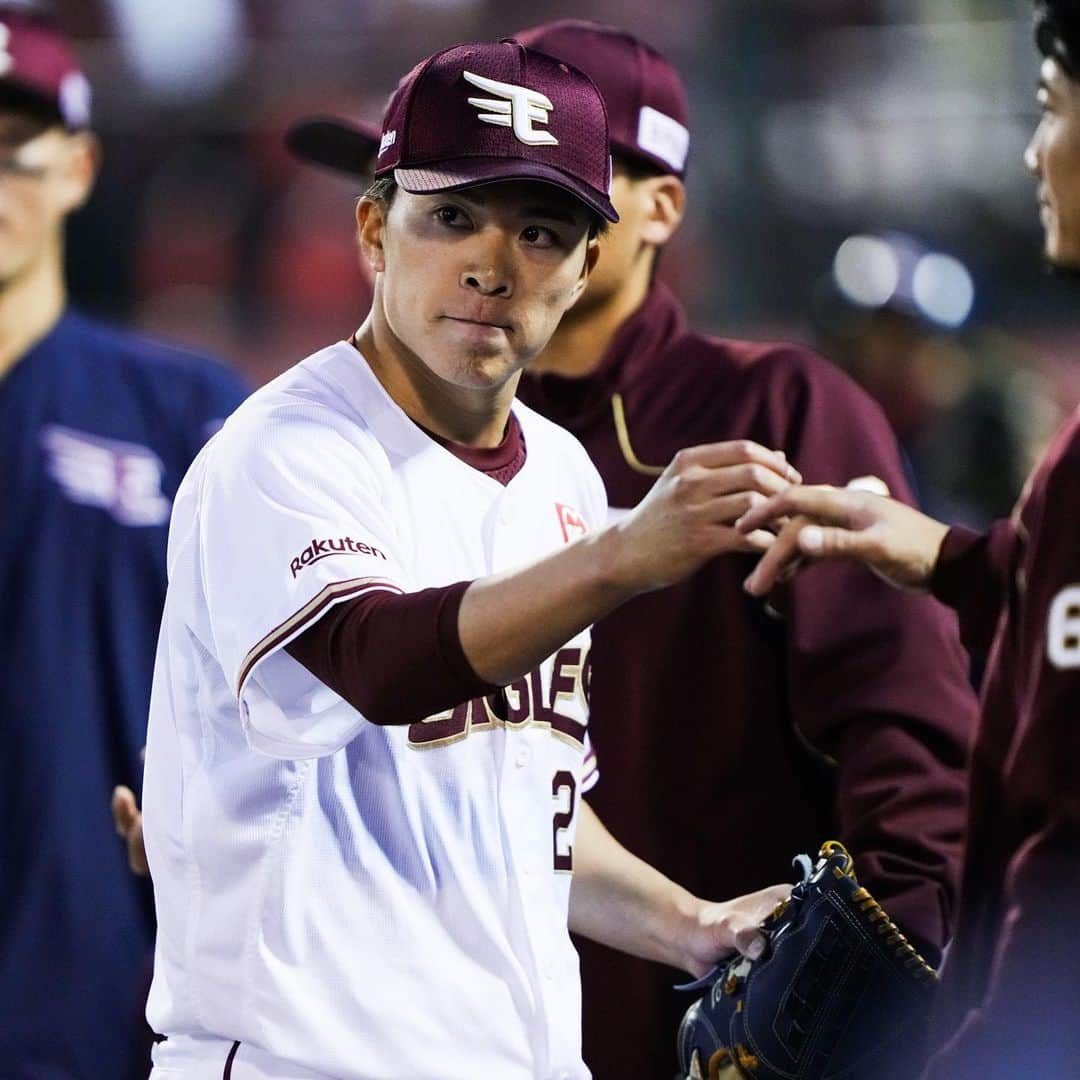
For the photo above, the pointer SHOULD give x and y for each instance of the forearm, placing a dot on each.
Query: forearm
(510, 622)
(621, 901)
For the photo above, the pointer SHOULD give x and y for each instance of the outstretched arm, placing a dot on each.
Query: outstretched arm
(510, 622)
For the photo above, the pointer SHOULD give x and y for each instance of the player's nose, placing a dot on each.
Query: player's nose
(488, 273)
(487, 280)
(1031, 153)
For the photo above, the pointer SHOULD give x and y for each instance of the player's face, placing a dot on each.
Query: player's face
(1053, 157)
(620, 246)
(45, 173)
(650, 210)
(474, 283)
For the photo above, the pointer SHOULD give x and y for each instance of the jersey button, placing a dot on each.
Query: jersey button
(522, 757)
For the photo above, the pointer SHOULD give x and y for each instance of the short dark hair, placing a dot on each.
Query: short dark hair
(638, 168)
(1057, 33)
(383, 189)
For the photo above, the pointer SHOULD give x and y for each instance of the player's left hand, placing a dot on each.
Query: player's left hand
(128, 822)
(729, 926)
(897, 542)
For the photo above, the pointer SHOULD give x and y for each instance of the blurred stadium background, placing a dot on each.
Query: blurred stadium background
(814, 122)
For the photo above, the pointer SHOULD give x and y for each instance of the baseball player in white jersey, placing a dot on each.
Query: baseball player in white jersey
(368, 733)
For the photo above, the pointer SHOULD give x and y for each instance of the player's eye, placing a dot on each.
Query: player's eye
(452, 216)
(540, 237)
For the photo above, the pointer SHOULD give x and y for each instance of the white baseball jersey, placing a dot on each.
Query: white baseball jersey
(349, 900)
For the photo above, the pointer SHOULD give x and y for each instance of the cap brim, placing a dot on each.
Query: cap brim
(471, 172)
(343, 145)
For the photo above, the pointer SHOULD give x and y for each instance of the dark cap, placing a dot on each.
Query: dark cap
(38, 69)
(647, 108)
(1057, 33)
(477, 113)
(347, 146)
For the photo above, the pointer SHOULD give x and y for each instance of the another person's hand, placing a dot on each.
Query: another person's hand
(688, 516)
(898, 543)
(128, 821)
(729, 926)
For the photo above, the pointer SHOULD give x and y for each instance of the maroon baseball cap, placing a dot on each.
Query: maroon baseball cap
(38, 69)
(347, 146)
(646, 101)
(473, 114)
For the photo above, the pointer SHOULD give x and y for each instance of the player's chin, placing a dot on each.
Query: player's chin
(1062, 257)
(482, 370)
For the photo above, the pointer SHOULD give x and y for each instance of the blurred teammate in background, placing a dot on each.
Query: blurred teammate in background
(735, 733)
(96, 430)
(1012, 981)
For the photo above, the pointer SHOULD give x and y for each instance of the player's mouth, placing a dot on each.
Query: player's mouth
(484, 323)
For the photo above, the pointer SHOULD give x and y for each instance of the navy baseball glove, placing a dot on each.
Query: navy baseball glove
(838, 994)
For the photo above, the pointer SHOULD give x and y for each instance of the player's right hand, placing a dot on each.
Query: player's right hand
(897, 542)
(688, 516)
(128, 822)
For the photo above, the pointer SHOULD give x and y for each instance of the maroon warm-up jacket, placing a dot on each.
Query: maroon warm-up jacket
(1011, 986)
(732, 734)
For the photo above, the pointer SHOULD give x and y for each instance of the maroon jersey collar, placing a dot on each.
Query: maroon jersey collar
(501, 463)
(637, 344)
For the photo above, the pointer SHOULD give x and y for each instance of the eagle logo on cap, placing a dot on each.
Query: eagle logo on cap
(515, 107)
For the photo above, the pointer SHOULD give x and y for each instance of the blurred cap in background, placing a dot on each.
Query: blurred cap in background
(347, 146)
(38, 68)
(647, 106)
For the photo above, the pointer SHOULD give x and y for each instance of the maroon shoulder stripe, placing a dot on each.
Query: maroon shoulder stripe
(227, 1074)
(331, 594)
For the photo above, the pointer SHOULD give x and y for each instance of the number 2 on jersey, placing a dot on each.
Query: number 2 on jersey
(563, 789)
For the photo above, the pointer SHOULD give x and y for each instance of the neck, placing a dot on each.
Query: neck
(586, 331)
(30, 304)
(474, 417)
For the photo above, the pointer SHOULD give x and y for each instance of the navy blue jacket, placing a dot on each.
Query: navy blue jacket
(97, 427)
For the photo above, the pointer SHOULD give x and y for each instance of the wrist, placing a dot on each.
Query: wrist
(679, 933)
(615, 569)
(937, 533)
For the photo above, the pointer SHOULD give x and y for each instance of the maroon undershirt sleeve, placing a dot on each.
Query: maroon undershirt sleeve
(972, 576)
(395, 658)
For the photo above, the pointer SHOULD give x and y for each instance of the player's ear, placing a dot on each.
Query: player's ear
(592, 253)
(370, 228)
(81, 161)
(666, 206)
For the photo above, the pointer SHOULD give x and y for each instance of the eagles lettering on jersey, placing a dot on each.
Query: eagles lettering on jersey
(523, 702)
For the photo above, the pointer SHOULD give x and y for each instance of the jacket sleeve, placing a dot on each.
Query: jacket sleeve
(878, 679)
(971, 576)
